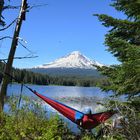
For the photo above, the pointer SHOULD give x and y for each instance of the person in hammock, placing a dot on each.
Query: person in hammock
(79, 118)
(84, 120)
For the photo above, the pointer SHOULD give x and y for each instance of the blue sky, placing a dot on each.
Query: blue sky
(59, 28)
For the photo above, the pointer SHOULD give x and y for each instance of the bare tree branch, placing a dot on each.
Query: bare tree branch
(35, 6)
(10, 7)
(25, 47)
(19, 58)
(5, 37)
(9, 25)
(21, 39)
(9, 37)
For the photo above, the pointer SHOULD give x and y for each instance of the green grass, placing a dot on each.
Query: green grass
(30, 122)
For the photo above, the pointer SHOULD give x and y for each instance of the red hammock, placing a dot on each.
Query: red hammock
(86, 121)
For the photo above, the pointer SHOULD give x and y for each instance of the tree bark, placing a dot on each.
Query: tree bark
(14, 44)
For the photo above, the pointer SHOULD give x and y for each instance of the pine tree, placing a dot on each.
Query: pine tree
(123, 41)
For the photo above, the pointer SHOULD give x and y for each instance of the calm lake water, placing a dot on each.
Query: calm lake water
(79, 98)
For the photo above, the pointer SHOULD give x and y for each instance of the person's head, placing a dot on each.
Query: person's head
(87, 111)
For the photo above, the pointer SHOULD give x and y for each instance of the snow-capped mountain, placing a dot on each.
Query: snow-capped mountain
(73, 60)
(74, 64)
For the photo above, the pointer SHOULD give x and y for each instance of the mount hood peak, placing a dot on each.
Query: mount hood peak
(73, 60)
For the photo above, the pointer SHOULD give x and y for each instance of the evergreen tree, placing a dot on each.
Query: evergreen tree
(123, 41)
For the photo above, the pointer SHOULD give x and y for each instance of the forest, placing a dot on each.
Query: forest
(28, 77)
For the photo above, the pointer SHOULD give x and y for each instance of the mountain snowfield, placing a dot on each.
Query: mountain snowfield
(72, 60)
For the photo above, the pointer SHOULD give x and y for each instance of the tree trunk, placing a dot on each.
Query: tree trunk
(12, 53)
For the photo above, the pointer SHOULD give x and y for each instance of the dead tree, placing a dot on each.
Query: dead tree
(14, 44)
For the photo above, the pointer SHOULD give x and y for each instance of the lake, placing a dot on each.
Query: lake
(79, 98)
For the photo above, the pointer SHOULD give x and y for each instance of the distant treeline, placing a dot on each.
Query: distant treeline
(43, 79)
(78, 81)
(27, 76)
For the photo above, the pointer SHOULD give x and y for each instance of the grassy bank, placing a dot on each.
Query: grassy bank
(25, 119)
(30, 122)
